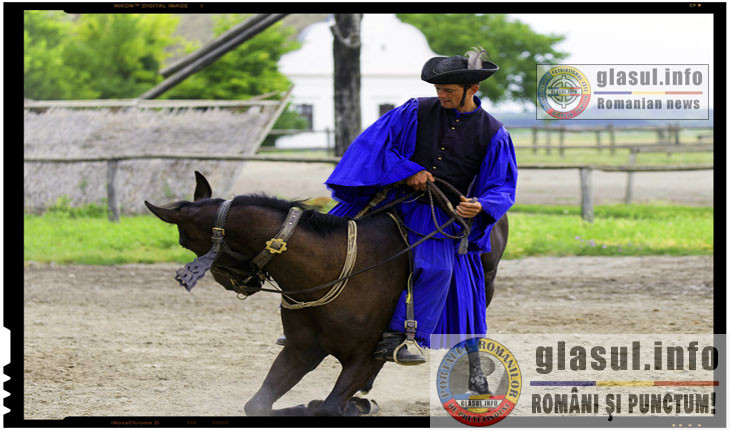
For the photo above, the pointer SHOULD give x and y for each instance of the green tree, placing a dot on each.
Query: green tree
(119, 55)
(248, 70)
(95, 56)
(511, 44)
(46, 76)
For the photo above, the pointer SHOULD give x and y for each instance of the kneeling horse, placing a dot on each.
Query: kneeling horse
(231, 238)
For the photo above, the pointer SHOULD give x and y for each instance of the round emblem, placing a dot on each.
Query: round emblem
(503, 376)
(563, 92)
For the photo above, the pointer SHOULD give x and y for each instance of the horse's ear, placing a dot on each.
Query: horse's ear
(202, 187)
(168, 215)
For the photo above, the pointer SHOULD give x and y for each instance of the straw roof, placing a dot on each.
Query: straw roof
(61, 129)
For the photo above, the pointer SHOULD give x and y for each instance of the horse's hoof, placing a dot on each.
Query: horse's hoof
(297, 411)
(374, 409)
(365, 406)
(314, 403)
(479, 385)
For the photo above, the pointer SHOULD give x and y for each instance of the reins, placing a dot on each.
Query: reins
(193, 271)
(431, 189)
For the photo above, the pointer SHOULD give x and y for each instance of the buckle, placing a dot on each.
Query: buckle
(278, 249)
(410, 325)
(219, 230)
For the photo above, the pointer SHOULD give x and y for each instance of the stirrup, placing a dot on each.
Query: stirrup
(410, 326)
(398, 348)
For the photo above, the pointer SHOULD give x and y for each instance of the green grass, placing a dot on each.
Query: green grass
(621, 156)
(616, 230)
(84, 236)
(142, 239)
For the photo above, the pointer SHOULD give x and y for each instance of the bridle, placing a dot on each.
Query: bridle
(247, 282)
(244, 282)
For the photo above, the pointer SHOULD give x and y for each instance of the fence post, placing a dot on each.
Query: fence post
(111, 191)
(562, 141)
(598, 141)
(586, 194)
(630, 178)
(676, 133)
(547, 133)
(534, 139)
(330, 149)
(612, 137)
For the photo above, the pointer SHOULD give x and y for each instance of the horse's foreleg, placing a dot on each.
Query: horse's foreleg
(288, 369)
(354, 376)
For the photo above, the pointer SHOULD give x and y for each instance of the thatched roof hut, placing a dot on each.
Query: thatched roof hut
(137, 127)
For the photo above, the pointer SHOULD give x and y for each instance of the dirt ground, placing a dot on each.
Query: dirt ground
(128, 341)
(559, 187)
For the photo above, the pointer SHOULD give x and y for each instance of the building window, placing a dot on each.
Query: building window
(385, 108)
(306, 112)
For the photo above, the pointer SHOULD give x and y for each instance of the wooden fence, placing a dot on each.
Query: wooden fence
(585, 171)
(666, 135)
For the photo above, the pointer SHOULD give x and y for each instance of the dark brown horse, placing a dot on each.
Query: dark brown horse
(348, 328)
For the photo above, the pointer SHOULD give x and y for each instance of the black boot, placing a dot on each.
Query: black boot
(477, 381)
(281, 341)
(391, 341)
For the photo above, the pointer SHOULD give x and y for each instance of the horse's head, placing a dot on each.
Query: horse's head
(195, 221)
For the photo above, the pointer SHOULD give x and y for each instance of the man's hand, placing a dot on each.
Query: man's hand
(418, 181)
(467, 208)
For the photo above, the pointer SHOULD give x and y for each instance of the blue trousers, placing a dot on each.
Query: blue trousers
(448, 288)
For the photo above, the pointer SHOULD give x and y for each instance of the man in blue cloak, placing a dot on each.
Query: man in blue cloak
(450, 137)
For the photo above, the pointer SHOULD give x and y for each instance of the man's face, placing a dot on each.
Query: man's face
(449, 95)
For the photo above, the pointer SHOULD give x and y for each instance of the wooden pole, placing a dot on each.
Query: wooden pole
(547, 133)
(562, 141)
(586, 194)
(213, 44)
(630, 178)
(612, 138)
(676, 134)
(346, 52)
(598, 141)
(210, 57)
(111, 191)
(534, 139)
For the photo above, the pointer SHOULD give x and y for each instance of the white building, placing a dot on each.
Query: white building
(391, 56)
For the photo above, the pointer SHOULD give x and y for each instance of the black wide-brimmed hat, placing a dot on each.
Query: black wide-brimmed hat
(458, 69)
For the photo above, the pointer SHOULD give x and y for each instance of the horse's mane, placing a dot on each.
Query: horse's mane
(312, 220)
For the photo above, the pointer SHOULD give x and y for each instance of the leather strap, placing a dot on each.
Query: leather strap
(189, 275)
(277, 244)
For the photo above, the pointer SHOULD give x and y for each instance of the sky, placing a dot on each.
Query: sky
(628, 38)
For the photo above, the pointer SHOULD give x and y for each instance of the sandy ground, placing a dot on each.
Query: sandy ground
(305, 180)
(128, 341)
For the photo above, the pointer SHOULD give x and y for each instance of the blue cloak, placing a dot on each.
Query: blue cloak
(449, 294)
